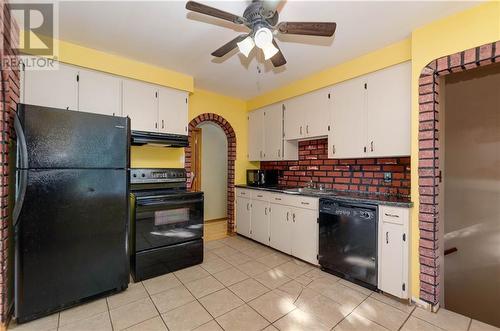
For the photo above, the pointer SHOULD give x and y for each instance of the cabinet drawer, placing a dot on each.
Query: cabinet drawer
(395, 215)
(281, 198)
(294, 200)
(306, 202)
(244, 193)
(260, 195)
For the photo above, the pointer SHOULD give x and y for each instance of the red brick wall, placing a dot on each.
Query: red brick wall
(8, 102)
(352, 174)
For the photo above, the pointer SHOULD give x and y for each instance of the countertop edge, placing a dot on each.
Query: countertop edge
(343, 198)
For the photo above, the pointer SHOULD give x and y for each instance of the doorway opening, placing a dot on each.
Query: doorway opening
(438, 185)
(210, 166)
(471, 185)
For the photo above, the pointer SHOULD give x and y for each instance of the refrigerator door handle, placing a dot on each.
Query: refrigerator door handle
(22, 180)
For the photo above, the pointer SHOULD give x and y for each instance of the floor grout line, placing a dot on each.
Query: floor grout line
(109, 314)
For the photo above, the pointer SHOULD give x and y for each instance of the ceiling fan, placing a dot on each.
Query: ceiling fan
(261, 17)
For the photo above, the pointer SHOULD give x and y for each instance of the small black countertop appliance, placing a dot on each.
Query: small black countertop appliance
(262, 178)
(166, 231)
(348, 240)
(71, 211)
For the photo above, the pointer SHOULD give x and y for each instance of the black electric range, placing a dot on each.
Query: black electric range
(166, 231)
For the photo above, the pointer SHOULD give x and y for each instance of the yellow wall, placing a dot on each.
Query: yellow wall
(471, 28)
(379, 59)
(234, 111)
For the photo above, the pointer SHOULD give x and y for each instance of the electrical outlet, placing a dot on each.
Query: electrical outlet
(387, 177)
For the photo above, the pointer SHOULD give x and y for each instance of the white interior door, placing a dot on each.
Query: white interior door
(347, 133)
(392, 263)
(280, 228)
(172, 111)
(260, 221)
(273, 132)
(320, 106)
(293, 118)
(305, 233)
(243, 220)
(52, 88)
(99, 93)
(256, 135)
(140, 103)
(388, 114)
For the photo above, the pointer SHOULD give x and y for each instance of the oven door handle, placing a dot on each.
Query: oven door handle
(167, 202)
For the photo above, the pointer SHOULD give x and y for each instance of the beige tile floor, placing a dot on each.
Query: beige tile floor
(245, 286)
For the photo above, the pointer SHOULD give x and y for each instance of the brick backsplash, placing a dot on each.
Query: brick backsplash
(365, 174)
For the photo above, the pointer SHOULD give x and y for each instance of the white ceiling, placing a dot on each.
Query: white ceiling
(165, 34)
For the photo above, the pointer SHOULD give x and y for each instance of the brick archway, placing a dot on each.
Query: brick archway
(429, 166)
(231, 157)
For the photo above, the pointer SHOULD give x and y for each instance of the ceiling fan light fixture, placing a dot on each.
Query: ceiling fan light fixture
(269, 51)
(264, 40)
(246, 45)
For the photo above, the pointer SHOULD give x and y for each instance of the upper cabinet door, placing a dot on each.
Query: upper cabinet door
(388, 105)
(293, 118)
(52, 88)
(99, 93)
(319, 108)
(172, 110)
(140, 104)
(256, 135)
(347, 135)
(273, 132)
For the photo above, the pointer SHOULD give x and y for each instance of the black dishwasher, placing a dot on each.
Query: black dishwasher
(348, 240)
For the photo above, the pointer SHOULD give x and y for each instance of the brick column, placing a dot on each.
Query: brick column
(9, 97)
(231, 157)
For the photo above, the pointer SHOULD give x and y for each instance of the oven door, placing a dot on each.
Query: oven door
(168, 220)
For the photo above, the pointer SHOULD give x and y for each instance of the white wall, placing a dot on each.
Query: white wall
(472, 193)
(214, 170)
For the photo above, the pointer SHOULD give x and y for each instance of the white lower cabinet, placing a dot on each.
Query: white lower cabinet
(260, 221)
(284, 222)
(280, 228)
(393, 251)
(243, 220)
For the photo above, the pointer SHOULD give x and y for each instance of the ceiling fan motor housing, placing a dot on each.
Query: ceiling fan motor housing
(254, 18)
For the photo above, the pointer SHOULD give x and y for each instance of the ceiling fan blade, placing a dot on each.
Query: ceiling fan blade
(278, 59)
(226, 48)
(211, 11)
(324, 29)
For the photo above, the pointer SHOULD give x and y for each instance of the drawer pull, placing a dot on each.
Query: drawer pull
(305, 203)
(279, 199)
(259, 196)
(391, 215)
(287, 214)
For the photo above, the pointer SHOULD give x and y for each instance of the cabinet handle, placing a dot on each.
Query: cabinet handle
(364, 149)
(248, 206)
(307, 129)
(333, 149)
(156, 125)
(301, 130)
(162, 124)
(279, 153)
(371, 146)
(279, 199)
(387, 237)
(293, 217)
(261, 154)
(391, 215)
(259, 196)
(287, 216)
(265, 211)
(305, 203)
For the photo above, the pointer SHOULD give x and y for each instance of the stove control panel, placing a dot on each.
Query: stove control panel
(157, 175)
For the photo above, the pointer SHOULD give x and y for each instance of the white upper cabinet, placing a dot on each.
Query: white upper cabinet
(273, 132)
(99, 93)
(308, 115)
(172, 110)
(256, 135)
(347, 133)
(140, 104)
(388, 104)
(52, 88)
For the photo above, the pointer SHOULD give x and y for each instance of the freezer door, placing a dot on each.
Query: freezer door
(71, 238)
(59, 138)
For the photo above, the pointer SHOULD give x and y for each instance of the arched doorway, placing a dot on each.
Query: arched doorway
(430, 162)
(231, 157)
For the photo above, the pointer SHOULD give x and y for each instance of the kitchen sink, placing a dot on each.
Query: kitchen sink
(305, 190)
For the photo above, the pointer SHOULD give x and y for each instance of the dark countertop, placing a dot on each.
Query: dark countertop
(348, 196)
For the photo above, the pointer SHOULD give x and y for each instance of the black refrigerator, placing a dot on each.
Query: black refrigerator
(71, 211)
